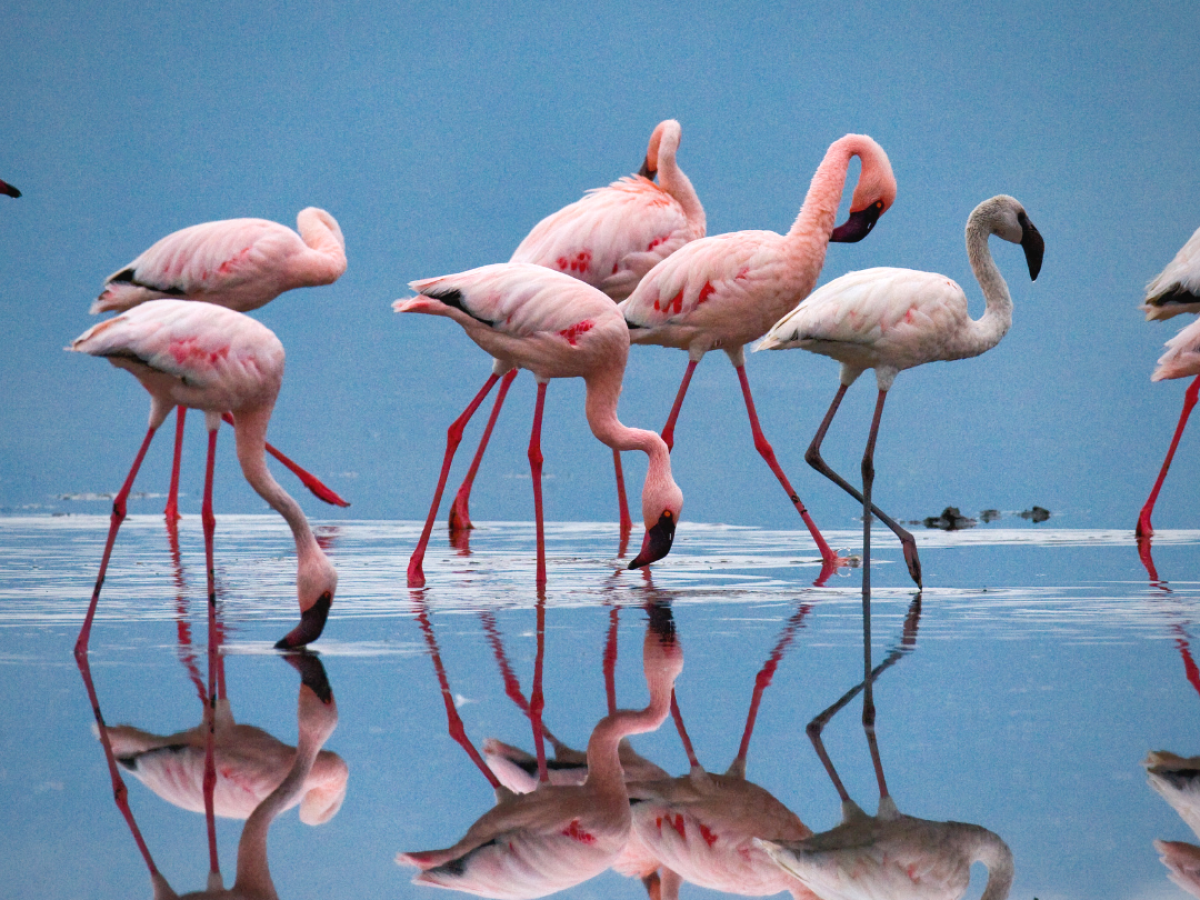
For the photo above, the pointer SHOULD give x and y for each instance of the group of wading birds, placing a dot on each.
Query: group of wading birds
(628, 263)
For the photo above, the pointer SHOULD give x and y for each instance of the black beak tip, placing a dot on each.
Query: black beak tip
(1034, 247)
(312, 623)
(657, 542)
(858, 225)
(646, 172)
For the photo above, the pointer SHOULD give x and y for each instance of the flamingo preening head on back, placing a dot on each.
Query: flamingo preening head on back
(213, 359)
(609, 239)
(525, 316)
(726, 290)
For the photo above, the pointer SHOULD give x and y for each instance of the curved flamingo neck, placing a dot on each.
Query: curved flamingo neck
(817, 215)
(672, 179)
(251, 436)
(322, 234)
(990, 850)
(986, 331)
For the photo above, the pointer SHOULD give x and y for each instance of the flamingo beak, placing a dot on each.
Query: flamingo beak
(6, 188)
(1033, 245)
(312, 623)
(657, 542)
(859, 225)
(647, 170)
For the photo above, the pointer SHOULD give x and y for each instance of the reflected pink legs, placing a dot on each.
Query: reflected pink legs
(1144, 528)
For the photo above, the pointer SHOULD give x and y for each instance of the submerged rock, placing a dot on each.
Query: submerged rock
(1037, 514)
(950, 520)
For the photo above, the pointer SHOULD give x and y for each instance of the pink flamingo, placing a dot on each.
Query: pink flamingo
(240, 264)
(6, 188)
(1175, 779)
(211, 358)
(609, 239)
(1177, 288)
(557, 836)
(725, 291)
(1182, 360)
(893, 319)
(529, 317)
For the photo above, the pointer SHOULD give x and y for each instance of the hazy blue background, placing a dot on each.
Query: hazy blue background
(438, 136)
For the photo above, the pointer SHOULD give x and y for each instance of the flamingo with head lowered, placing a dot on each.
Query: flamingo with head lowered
(214, 359)
(893, 319)
(609, 239)
(529, 317)
(724, 291)
(240, 264)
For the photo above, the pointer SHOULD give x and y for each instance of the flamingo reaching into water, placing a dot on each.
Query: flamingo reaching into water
(724, 291)
(1182, 360)
(214, 359)
(240, 264)
(6, 188)
(557, 836)
(609, 239)
(1177, 288)
(533, 318)
(893, 319)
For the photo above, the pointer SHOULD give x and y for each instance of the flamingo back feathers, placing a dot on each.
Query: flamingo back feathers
(1182, 358)
(1177, 288)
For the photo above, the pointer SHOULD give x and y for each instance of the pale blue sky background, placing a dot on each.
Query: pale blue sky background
(439, 135)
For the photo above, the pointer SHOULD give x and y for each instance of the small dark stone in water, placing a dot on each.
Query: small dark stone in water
(950, 520)
(989, 515)
(1037, 514)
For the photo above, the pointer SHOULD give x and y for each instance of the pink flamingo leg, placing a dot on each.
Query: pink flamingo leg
(622, 503)
(210, 770)
(668, 432)
(537, 699)
(120, 791)
(310, 481)
(453, 722)
(683, 735)
(813, 457)
(829, 559)
(610, 661)
(1144, 529)
(460, 516)
(535, 468)
(172, 509)
(416, 574)
(118, 516)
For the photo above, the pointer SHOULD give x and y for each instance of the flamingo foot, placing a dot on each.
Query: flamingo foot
(1144, 528)
(416, 574)
(912, 560)
(321, 492)
(171, 512)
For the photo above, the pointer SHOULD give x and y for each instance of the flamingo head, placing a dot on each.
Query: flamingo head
(1006, 218)
(664, 142)
(316, 583)
(662, 502)
(873, 195)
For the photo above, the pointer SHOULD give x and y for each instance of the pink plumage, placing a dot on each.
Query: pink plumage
(206, 357)
(616, 234)
(240, 264)
(724, 291)
(529, 317)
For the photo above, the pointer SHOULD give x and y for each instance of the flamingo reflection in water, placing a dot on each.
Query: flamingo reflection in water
(556, 836)
(889, 854)
(703, 827)
(1177, 780)
(317, 718)
(609, 239)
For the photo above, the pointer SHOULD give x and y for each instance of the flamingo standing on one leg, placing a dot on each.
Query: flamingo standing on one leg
(609, 239)
(1182, 360)
(529, 317)
(211, 358)
(240, 264)
(893, 319)
(725, 291)
(6, 188)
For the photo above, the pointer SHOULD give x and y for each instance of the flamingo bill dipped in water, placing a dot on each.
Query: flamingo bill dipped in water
(213, 359)
(529, 317)
(1182, 360)
(893, 319)
(724, 291)
(240, 264)
(8, 189)
(609, 239)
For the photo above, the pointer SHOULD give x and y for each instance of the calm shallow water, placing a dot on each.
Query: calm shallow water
(1045, 666)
